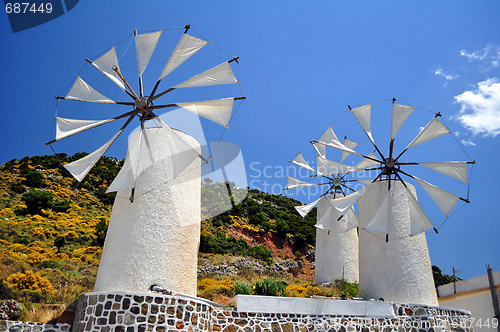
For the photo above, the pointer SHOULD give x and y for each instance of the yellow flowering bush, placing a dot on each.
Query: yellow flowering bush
(30, 280)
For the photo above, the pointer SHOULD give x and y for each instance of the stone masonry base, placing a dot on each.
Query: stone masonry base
(128, 312)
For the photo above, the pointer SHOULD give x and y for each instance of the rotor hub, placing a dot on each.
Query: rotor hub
(337, 183)
(142, 102)
(389, 164)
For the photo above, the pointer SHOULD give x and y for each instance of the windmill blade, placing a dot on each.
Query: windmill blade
(320, 149)
(300, 161)
(125, 179)
(221, 74)
(145, 45)
(343, 204)
(350, 145)
(432, 130)
(182, 153)
(69, 127)
(455, 169)
(419, 222)
(216, 110)
(342, 147)
(186, 47)
(367, 162)
(139, 158)
(444, 199)
(363, 115)
(83, 92)
(399, 115)
(380, 219)
(365, 181)
(331, 215)
(329, 136)
(328, 167)
(351, 219)
(81, 167)
(327, 217)
(303, 210)
(105, 65)
(296, 184)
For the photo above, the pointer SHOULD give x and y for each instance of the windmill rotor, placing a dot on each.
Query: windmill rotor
(391, 168)
(338, 197)
(145, 107)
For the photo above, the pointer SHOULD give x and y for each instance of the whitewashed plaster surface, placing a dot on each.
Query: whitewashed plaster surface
(337, 252)
(400, 270)
(155, 239)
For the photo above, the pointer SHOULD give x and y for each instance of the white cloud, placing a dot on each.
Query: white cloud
(480, 111)
(468, 142)
(490, 53)
(439, 72)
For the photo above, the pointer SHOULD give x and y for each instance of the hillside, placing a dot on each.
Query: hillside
(52, 232)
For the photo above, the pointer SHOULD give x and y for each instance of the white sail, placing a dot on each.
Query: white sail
(363, 115)
(419, 222)
(330, 216)
(329, 136)
(84, 92)
(350, 145)
(105, 65)
(434, 129)
(295, 184)
(300, 161)
(216, 110)
(182, 153)
(221, 74)
(327, 167)
(68, 127)
(125, 179)
(186, 47)
(380, 220)
(320, 149)
(351, 219)
(455, 169)
(343, 204)
(139, 158)
(444, 199)
(340, 146)
(366, 163)
(81, 167)
(145, 45)
(303, 210)
(326, 215)
(399, 115)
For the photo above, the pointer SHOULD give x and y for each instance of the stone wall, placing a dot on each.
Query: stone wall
(14, 326)
(127, 312)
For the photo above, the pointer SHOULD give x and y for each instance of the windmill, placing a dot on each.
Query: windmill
(153, 233)
(145, 107)
(391, 168)
(394, 262)
(336, 219)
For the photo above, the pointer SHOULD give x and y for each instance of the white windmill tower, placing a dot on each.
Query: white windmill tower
(336, 227)
(153, 233)
(393, 255)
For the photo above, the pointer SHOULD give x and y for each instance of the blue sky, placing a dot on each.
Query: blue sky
(301, 64)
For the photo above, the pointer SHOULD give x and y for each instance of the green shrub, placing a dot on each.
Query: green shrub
(241, 287)
(347, 289)
(270, 287)
(34, 179)
(36, 200)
